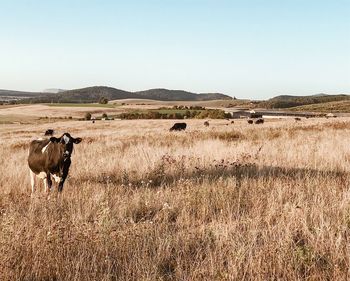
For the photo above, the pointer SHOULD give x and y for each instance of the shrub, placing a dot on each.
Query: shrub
(87, 116)
(103, 100)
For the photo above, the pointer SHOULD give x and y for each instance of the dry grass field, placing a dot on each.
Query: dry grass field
(228, 202)
(32, 112)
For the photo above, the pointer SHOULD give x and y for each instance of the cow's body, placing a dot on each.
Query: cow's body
(259, 121)
(51, 157)
(178, 127)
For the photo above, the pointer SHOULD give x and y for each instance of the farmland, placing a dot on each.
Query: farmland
(228, 202)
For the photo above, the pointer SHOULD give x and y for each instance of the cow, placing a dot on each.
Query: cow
(250, 121)
(178, 127)
(259, 121)
(51, 157)
(206, 123)
(297, 119)
(49, 132)
(232, 122)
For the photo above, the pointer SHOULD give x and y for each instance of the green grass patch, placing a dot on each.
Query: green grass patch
(175, 114)
(170, 111)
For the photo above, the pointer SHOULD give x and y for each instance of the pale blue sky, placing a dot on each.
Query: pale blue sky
(249, 49)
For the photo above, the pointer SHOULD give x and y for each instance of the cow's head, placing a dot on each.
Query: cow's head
(66, 142)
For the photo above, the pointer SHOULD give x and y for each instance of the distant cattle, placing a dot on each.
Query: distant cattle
(49, 132)
(259, 121)
(297, 119)
(206, 124)
(232, 122)
(178, 127)
(250, 121)
(255, 115)
(51, 157)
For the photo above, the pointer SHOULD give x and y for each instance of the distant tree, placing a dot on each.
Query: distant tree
(179, 116)
(87, 116)
(103, 100)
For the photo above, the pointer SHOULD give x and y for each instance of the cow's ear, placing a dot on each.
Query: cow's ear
(77, 140)
(53, 139)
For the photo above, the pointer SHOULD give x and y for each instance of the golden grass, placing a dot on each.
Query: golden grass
(32, 112)
(228, 202)
(333, 106)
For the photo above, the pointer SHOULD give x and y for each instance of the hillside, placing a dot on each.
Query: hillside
(9, 95)
(286, 101)
(92, 94)
(334, 106)
(53, 91)
(173, 95)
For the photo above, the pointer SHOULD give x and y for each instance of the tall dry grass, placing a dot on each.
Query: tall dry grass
(236, 202)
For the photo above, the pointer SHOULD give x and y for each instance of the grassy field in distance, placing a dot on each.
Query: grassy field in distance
(335, 106)
(156, 103)
(34, 112)
(108, 105)
(224, 202)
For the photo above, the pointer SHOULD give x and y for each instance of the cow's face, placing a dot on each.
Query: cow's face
(66, 141)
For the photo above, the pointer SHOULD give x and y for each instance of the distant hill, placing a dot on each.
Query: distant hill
(287, 101)
(173, 95)
(92, 94)
(326, 107)
(9, 95)
(53, 91)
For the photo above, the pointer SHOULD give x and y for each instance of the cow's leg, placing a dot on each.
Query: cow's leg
(32, 180)
(49, 181)
(45, 184)
(64, 175)
(60, 185)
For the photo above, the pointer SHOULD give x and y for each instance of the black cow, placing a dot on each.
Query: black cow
(178, 127)
(206, 123)
(49, 132)
(250, 121)
(297, 119)
(51, 157)
(259, 121)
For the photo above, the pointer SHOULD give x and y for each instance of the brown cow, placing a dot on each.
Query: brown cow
(51, 157)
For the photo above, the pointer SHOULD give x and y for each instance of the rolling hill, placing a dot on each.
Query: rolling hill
(9, 95)
(287, 101)
(342, 106)
(172, 95)
(92, 94)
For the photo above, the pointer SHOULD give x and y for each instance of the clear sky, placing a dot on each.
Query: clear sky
(247, 48)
